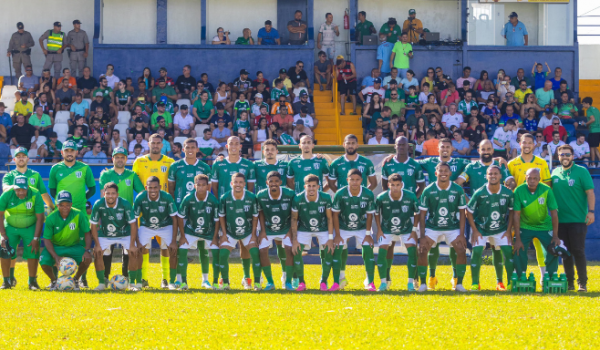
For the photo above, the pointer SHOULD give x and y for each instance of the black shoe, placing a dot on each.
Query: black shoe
(145, 284)
(6, 285)
(83, 284)
(77, 287)
(571, 287)
(164, 284)
(34, 285)
(582, 288)
(13, 282)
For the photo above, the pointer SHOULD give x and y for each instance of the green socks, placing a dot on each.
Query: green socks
(32, 280)
(132, 277)
(215, 264)
(224, 264)
(337, 264)
(145, 265)
(100, 275)
(369, 259)
(422, 271)
(289, 273)
(508, 259)
(412, 262)
(461, 269)
(282, 256)
(6, 279)
(344, 258)
(326, 261)
(256, 269)
(164, 264)
(390, 262)
(55, 270)
(182, 265)
(432, 258)
(382, 266)
(453, 261)
(323, 265)
(497, 261)
(299, 263)
(203, 252)
(268, 273)
(476, 264)
(12, 273)
(246, 263)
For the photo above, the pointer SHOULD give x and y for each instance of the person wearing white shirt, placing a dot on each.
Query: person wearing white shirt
(539, 143)
(546, 120)
(207, 144)
(581, 148)
(515, 145)
(393, 76)
(453, 118)
(139, 140)
(137, 152)
(555, 143)
(502, 138)
(305, 117)
(111, 79)
(378, 139)
(184, 123)
(366, 93)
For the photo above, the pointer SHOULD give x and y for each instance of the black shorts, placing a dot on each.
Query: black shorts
(348, 88)
(594, 139)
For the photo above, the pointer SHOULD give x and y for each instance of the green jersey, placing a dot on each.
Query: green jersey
(80, 142)
(154, 214)
(76, 179)
(105, 92)
(299, 167)
(200, 215)
(183, 175)
(21, 213)
(66, 232)
(353, 209)
(475, 173)
(410, 170)
(443, 206)
(534, 207)
(241, 124)
(490, 210)
(224, 169)
(50, 149)
(238, 213)
(113, 222)
(128, 182)
(457, 166)
(33, 177)
(595, 126)
(122, 97)
(263, 168)
(241, 106)
(277, 211)
(570, 186)
(312, 216)
(340, 167)
(396, 215)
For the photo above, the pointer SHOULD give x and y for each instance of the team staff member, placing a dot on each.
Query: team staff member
(55, 44)
(77, 40)
(413, 27)
(19, 47)
(573, 184)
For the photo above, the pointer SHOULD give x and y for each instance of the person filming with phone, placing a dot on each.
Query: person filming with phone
(401, 55)
(413, 27)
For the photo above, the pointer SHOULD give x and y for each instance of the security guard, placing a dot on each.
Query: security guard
(77, 41)
(55, 46)
(20, 46)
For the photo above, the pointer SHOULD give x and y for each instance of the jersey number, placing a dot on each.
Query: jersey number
(442, 221)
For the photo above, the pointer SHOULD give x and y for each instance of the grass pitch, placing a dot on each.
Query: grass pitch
(351, 318)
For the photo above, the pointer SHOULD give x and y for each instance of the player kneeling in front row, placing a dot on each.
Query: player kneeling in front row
(238, 216)
(445, 201)
(113, 222)
(311, 217)
(66, 235)
(275, 212)
(156, 209)
(200, 209)
(490, 214)
(396, 219)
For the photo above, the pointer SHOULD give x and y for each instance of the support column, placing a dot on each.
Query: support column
(161, 21)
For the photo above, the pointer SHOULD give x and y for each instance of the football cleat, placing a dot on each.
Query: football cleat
(454, 282)
(138, 286)
(283, 280)
(172, 286)
(7, 285)
(366, 282)
(270, 286)
(410, 287)
(582, 288)
(382, 287)
(371, 287)
(431, 283)
(288, 286)
(323, 287)
(35, 286)
(145, 284)
(83, 284)
(184, 286)
(257, 286)
(460, 288)
(13, 282)
(220, 282)
(334, 288)
(52, 286)
(76, 282)
(247, 283)
(475, 287)
(423, 288)
(500, 286)
(133, 288)
(295, 282)
(225, 286)
(343, 283)
(164, 284)
(206, 285)
(100, 287)
(301, 287)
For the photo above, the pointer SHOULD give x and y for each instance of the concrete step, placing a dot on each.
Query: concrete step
(329, 116)
(319, 98)
(326, 124)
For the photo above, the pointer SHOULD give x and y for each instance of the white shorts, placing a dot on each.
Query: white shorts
(439, 236)
(305, 238)
(359, 236)
(106, 243)
(232, 242)
(406, 239)
(266, 242)
(165, 233)
(496, 240)
(194, 242)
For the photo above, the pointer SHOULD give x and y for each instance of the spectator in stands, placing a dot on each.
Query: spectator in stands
(79, 107)
(104, 119)
(247, 144)
(464, 88)
(391, 30)
(566, 110)
(23, 107)
(262, 132)
(185, 83)
(222, 37)
(101, 129)
(265, 95)
(184, 123)
(545, 95)
(116, 141)
(515, 144)
(298, 75)
(503, 86)
(554, 143)
(307, 120)
(122, 100)
(163, 90)
(369, 81)
(139, 140)
(510, 115)
(364, 27)
(393, 99)
(241, 122)
(502, 138)
(287, 83)
(143, 100)
(110, 76)
(547, 119)
(41, 122)
(198, 91)
(555, 127)
(563, 89)
(139, 113)
(221, 133)
(246, 38)
(390, 83)
(227, 120)
(47, 80)
(268, 35)
(51, 149)
(64, 96)
(147, 79)
(79, 140)
(107, 92)
(242, 85)
(95, 156)
(300, 130)
(475, 133)
(530, 123)
(449, 96)
(207, 144)
(581, 149)
(166, 145)
(516, 81)
(375, 105)
(176, 152)
(461, 147)
(278, 91)
(137, 152)
(167, 134)
(409, 81)
(79, 121)
(453, 118)
(326, 36)
(87, 83)
(285, 120)
(67, 76)
(5, 122)
(509, 100)
(539, 143)
(522, 91)
(29, 82)
(22, 133)
(282, 104)
(222, 96)
(538, 74)
(557, 78)
(323, 70)
(345, 73)
(530, 103)
(441, 81)
(593, 124)
(161, 112)
(465, 106)
(378, 139)
(263, 114)
(207, 85)
(486, 93)
(515, 31)
(466, 77)
(431, 106)
(138, 129)
(367, 92)
(303, 102)
(297, 28)
(203, 109)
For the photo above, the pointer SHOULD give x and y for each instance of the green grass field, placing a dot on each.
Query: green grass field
(351, 318)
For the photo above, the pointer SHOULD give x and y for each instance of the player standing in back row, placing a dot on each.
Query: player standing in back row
(306, 164)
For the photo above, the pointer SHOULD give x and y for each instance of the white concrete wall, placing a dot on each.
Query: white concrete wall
(184, 21)
(39, 18)
(588, 61)
(234, 17)
(336, 8)
(129, 22)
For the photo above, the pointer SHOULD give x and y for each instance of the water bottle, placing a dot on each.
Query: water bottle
(532, 281)
(514, 279)
(563, 279)
(545, 282)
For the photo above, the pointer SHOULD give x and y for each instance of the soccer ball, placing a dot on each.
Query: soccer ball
(67, 266)
(65, 283)
(118, 282)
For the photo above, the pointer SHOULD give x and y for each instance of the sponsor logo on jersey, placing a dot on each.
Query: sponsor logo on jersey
(153, 211)
(571, 182)
(200, 221)
(353, 217)
(313, 222)
(111, 228)
(119, 216)
(32, 181)
(153, 220)
(239, 221)
(275, 219)
(189, 186)
(443, 211)
(495, 215)
(395, 221)
(71, 226)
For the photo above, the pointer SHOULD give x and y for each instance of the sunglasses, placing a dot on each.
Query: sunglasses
(555, 124)
(539, 136)
(565, 154)
(438, 71)
(393, 94)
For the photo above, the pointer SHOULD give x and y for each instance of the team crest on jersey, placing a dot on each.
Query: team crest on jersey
(163, 169)
(363, 205)
(161, 209)
(239, 221)
(317, 166)
(280, 171)
(443, 211)
(541, 200)
(404, 209)
(128, 182)
(29, 205)
(361, 169)
(32, 181)
(119, 216)
(410, 172)
(78, 174)
(284, 206)
(208, 209)
(321, 209)
(71, 226)
(246, 208)
(502, 201)
(453, 168)
(451, 198)
(571, 182)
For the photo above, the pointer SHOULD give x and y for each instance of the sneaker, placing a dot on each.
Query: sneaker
(205, 285)
(366, 282)
(382, 287)
(500, 286)
(74, 288)
(582, 288)
(410, 287)
(133, 288)
(270, 286)
(454, 282)
(13, 282)
(301, 287)
(7, 285)
(138, 286)
(184, 286)
(283, 281)
(371, 287)
(247, 283)
(571, 287)
(83, 284)
(220, 282)
(295, 283)
(334, 288)
(172, 286)
(145, 284)
(100, 287)
(35, 286)
(52, 286)
(343, 283)
(288, 286)
(164, 284)
(460, 288)
(422, 288)
(323, 287)
(431, 283)
(225, 286)
(475, 287)
(257, 286)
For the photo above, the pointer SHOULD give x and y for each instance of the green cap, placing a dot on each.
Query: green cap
(64, 196)
(69, 144)
(119, 150)
(412, 12)
(22, 150)
(21, 182)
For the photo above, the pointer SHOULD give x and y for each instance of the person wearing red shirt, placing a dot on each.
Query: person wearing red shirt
(264, 113)
(450, 96)
(285, 120)
(555, 127)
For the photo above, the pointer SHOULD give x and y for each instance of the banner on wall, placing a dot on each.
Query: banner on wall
(529, 1)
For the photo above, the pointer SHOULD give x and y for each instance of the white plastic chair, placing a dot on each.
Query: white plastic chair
(200, 129)
(184, 101)
(40, 141)
(62, 117)
(61, 130)
(124, 117)
(122, 129)
(180, 139)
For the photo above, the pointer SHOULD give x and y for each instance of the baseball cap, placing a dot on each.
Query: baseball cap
(159, 119)
(119, 150)
(99, 94)
(139, 120)
(339, 57)
(304, 109)
(76, 21)
(21, 182)
(64, 196)
(162, 69)
(57, 24)
(20, 25)
(242, 131)
(377, 80)
(77, 117)
(184, 107)
(303, 93)
(412, 12)
(282, 70)
(513, 14)
(243, 71)
(259, 95)
(22, 150)
(160, 104)
(163, 99)
(69, 145)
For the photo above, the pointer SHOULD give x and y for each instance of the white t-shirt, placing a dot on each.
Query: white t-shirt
(328, 33)
(423, 97)
(132, 157)
(369, 90)
(503, 137)
(212, 143)
(419, 147)
(112, 81)
(553, 146)
(515, 145)
(183, 123)
(308, 120)
(144, 144)
(580, 150)
(384, 141)
(538, 150)
(545, 122)
(452, 120)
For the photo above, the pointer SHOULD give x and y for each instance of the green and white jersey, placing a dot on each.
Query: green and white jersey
(443, 206)
(475, 173)
(128, 182)
(238, 213)
(76, 179)
(183, 175)
(353, 209)
(535, 207)
(340, 167)
(410, 170)
(122, 97)
(263, 168)
(80, 142)
(396, 215)
(240, 106)
(312, 216)
(33, 178)
(299, 167)
(66, 232)
(457, 166)
(200, 215)
(490, 210)
(277, 211)
(224, 169)
(154, 214)
(21, 213)
(113, 222)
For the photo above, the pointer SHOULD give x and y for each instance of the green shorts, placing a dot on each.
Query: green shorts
(74, 252)
(15, 235)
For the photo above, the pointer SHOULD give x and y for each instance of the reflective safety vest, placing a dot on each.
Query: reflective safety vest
(55, 40)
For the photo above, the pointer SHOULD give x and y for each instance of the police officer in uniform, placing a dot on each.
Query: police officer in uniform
(55, 45)
(77, 41)
(19, 47)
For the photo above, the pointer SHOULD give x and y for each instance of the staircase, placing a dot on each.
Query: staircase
(327, 133)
